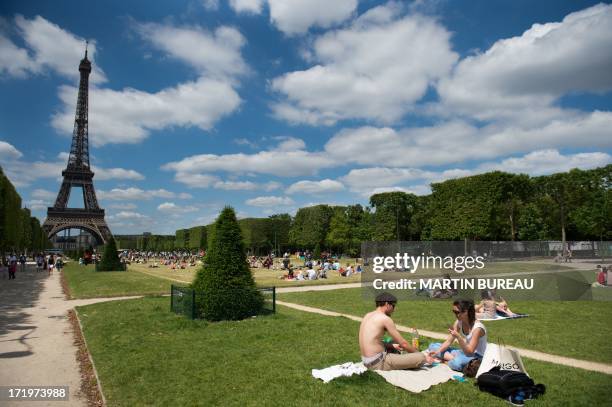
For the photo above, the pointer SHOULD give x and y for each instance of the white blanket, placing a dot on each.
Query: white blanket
(417, 380)
(333, 372)
(500, 317)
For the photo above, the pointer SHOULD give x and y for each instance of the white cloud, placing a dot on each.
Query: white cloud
(103, 174)
(197, 180)
(125, 206)
(368, 181)
(523, 74)
(247, 6)
(547, 162)
(273, 162)
(129, 115)
(9, 152)
(215, 54)
(315, 187)
(14, 61)
(297, 16)
(236, 185)
(23, 173)
(211, 5)
(37, 204)
(245, 142)
(376, 69)
(272, 185)
(50, 47)
(290, 144)
(174, 209)
(457, 141)
(267, 201)
(43, 194)
(137, 194)
(128, 215)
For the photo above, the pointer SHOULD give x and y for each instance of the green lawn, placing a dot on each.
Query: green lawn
(579, 329)
(145, 355)
(85, 282)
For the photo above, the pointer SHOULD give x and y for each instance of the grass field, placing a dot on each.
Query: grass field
(579, 329)
(85, 282)
(145, 355)
(268, 278)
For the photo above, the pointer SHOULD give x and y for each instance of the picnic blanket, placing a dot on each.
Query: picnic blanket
(418, 380)
(346, 369)
(500, 316)
(414, 380)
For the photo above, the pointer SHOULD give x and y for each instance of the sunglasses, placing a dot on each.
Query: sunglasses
(457, 312)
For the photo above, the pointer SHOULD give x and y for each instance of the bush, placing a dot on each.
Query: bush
(224, 286)
(110, 260)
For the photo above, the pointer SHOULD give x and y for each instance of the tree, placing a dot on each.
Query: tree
(224, 286)
(593, 213)
(182, 239)
(110, 260)
(311, 226)
(197, 237)
(394, 211)
(280, 225)
(483, 206)
(532, 225)
(348, 227)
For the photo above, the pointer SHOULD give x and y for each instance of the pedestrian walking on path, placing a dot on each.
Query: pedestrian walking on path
(12, 266)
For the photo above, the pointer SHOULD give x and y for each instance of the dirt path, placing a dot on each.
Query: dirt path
(532, 354)
(36, 338)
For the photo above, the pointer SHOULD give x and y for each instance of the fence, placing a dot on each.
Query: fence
(490, 250)
(183, 300)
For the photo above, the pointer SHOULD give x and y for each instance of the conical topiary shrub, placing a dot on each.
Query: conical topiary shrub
(224, 286)
(110, 260)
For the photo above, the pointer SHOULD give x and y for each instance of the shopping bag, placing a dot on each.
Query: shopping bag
(502, 356)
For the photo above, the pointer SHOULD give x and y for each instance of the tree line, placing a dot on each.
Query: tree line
(575, 205)
(19, 230)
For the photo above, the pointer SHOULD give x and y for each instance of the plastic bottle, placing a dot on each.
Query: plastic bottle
(415, 339)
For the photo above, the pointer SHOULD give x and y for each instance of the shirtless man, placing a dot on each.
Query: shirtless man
(371, 331)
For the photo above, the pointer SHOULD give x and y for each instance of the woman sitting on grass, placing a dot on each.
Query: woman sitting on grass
(470, 334)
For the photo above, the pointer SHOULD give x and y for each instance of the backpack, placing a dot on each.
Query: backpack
(510, 385)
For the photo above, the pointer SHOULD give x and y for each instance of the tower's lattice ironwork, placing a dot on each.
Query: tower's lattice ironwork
(78, 174)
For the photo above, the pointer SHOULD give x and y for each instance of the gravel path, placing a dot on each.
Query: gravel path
(36, 338)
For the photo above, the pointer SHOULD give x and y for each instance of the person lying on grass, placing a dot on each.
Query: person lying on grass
(490, 306)
(374, 353)
(470, 334)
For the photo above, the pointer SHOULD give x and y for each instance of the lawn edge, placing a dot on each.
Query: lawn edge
(65, 286)
(91, 386)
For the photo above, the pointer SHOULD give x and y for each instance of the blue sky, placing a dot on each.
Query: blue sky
(272, 105)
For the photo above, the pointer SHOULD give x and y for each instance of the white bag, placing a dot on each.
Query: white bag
(502, 356)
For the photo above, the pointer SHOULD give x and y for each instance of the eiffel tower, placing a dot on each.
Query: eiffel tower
(78, 174)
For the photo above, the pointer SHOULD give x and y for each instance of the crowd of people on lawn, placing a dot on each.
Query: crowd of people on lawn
(10, 263)
(316, 269)
(175, 260)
